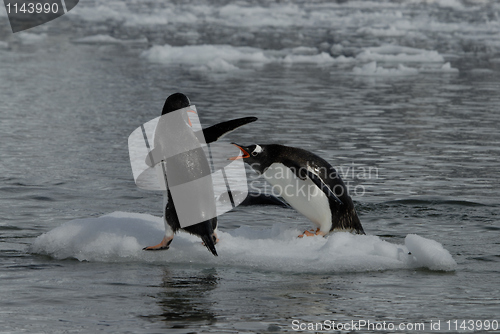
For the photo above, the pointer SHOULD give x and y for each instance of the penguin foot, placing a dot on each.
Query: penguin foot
(163, 245)
(311, 234)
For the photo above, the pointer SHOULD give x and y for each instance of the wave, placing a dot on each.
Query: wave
(432, 202)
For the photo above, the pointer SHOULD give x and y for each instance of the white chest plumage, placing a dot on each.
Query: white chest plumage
(303, 195)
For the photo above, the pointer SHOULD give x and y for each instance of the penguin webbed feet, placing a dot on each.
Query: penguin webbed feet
(155, 248)
(312, 233)
(163, 245)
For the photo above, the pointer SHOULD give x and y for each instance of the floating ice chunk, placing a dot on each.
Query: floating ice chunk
(121, 236)
(396, 49)
(305, 51)
(119, 12)
(455, 4)
(100, 13)
(107, 238)
(225, 58)
(97, 39)
(429, 56)
(481, 71)
(272, 16)
(216, 65)
(217, 56)
(396, 53)
(106, 39)
(145, 20)
(391, 31)
(445, 68)
(429, 253)
(371, 69)
(336, 49)
(30, 38)
(322, 58)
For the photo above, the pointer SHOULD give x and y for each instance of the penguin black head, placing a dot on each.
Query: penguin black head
(257, 156)
(175, 102)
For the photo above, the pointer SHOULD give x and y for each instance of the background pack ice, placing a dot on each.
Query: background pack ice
(408, 87)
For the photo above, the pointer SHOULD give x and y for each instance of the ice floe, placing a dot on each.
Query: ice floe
(120, 236)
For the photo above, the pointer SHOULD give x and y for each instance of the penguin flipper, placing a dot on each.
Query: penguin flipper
(214, 132)
(324, 188)
(302, 173)
(154, 156)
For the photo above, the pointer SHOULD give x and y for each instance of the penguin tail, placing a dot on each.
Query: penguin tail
(208, 241)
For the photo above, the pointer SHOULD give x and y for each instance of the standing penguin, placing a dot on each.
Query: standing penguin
(185, 162)
(308, 183)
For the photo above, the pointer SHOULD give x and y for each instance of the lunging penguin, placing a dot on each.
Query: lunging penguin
(192, 165)
(308, 183)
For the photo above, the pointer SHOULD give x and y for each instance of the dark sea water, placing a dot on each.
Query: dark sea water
(402, 97)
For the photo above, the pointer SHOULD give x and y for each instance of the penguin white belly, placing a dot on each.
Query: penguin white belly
(303, 195)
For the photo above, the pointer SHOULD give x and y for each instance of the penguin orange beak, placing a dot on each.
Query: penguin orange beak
(190, 124)
(245, 153)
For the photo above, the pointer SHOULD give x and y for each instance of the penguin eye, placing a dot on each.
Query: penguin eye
(257, 150)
